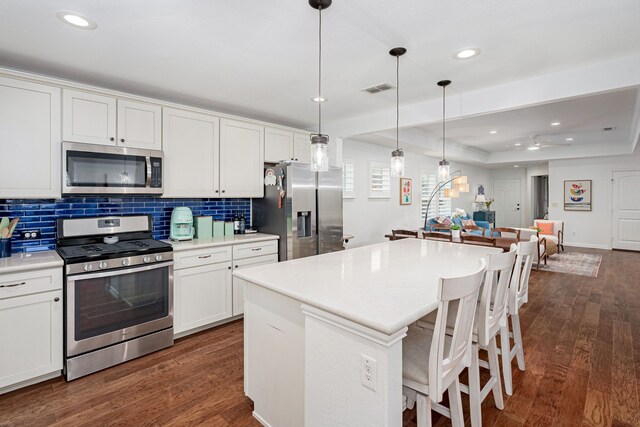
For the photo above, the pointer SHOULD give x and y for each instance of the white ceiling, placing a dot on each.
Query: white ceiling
(258, 58)
(582, 119)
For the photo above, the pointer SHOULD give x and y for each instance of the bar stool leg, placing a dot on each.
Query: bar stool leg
(505, 350)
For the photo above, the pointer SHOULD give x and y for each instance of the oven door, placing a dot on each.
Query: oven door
(113, 306)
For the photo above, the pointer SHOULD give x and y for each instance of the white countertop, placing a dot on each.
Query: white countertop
(384, 287)
(30, 261)
(220, 241)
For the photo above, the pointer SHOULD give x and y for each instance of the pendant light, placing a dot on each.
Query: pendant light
(397, 155)
(320, 142)
(443, 166)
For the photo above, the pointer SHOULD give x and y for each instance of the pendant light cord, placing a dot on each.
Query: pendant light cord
(444, 88)
(397, 102)
(320, 70)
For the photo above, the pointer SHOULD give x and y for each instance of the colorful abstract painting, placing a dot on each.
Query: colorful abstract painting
(405, 191)
(577, 195)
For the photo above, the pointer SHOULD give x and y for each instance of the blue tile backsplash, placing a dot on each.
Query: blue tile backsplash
(42, 214)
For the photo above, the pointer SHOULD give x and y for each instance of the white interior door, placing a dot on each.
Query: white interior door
(626, 210)
(506, 193)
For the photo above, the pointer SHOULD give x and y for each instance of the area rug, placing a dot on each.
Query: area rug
(577, 263)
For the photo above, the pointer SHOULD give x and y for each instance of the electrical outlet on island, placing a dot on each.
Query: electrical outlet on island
(369, 372)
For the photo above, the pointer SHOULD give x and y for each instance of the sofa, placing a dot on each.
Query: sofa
(458, 220)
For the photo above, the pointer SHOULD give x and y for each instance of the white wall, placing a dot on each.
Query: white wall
(587, 229)
(370, 219)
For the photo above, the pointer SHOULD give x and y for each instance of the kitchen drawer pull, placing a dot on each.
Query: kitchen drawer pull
(56, 299)
(256, 249)
(236, 266)
(13, 285)
(205, 256)
(229, 268)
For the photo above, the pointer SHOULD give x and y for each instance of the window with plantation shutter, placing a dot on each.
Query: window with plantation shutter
(379, 181)
(348, 179)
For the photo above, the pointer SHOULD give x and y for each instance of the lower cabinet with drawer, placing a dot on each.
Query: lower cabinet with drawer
(31, 310)
(204, 292)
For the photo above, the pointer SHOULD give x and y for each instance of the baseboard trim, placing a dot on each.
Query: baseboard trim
(587, 245)
(260, 419)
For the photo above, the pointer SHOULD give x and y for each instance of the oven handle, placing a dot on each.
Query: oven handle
(118, 272)
(148, 183)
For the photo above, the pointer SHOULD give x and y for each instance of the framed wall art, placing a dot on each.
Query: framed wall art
(577, 195)
(405, 191)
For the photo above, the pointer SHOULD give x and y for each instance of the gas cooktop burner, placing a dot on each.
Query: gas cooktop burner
(103, 250)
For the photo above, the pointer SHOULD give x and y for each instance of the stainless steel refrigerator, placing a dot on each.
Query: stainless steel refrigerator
(308, 216)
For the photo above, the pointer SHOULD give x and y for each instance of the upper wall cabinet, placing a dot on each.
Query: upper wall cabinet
(278, 145)
(100, 119)
(302, 147)
(30, 135)
(191, 150)
(241, 159)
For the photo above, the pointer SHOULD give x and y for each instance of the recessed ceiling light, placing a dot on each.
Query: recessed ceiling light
(493, 132)
(517, 144)
(467, 53)
(319, 99)
(555, 124)
(77, 20)
(516, 166)
(568, 139)
(533, 148)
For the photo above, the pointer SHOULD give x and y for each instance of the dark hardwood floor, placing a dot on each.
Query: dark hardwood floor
(582, 350)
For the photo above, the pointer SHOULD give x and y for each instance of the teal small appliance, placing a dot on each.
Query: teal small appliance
(182, 224)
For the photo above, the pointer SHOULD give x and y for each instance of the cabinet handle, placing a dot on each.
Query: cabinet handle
(236, 266)
(112, 139)
(256, 249)
(56, 299)
(122, 140)
(223, 191)
(13, 285)
(205, 256)
(229, 268)
(217, 191)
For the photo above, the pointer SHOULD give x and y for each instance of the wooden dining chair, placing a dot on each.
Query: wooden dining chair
(403, 234)
(518, 295)
(431, 360)
(506, 230)
(443, 227)
(472, 239)
(431, 235)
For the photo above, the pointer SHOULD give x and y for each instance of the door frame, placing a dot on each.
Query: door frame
(612, 202)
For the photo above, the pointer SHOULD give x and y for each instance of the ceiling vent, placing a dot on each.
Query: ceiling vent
(378, 88)
(608, 128)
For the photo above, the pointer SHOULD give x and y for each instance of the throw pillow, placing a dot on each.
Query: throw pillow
(447, 221)
(546, 227)
(468, 222)
(441, 219)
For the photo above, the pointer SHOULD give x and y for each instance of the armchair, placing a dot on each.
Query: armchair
(557, 236)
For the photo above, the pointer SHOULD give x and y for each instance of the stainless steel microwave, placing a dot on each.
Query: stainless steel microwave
(105, 169)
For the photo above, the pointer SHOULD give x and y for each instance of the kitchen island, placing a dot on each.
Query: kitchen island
(323, 334)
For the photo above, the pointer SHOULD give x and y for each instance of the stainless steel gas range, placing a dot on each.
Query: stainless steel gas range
(118, 291)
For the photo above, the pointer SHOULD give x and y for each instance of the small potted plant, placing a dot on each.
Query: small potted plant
(455, 231)
(488, 203)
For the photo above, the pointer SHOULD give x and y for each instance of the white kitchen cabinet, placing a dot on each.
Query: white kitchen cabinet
(191, 154)
(105, 120)
(278, 145)
(139, 125)
(241, 159)
(88, 117)
(30, 134)
(239, 285)
(31, 332)
(201, 295)
(302, 147)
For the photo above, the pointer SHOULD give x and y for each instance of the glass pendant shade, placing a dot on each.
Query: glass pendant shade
(443, 170)
(319, 153)
(397, 163)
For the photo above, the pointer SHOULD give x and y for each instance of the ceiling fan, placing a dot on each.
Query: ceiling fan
(537, 142)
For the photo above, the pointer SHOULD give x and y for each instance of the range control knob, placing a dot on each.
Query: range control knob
(88, 267)
(158, 257)
(102, 265)
(146, 259)
(126, 262)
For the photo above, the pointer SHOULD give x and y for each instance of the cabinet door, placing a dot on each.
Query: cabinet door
(87, 117)
(139, 125)
(241, 159)
(278, 145)
(191, 149)
(31, 337)
(201, 296)
(30, 135)
(302, 147)
(238, 284)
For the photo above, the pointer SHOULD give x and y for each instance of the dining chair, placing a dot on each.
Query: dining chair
(403, 234)
(432, 360)
(518, 295)
(477, 240)
(542, 250)
(506, 230)
(430, 235)
(491, 317)
(436, 227)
